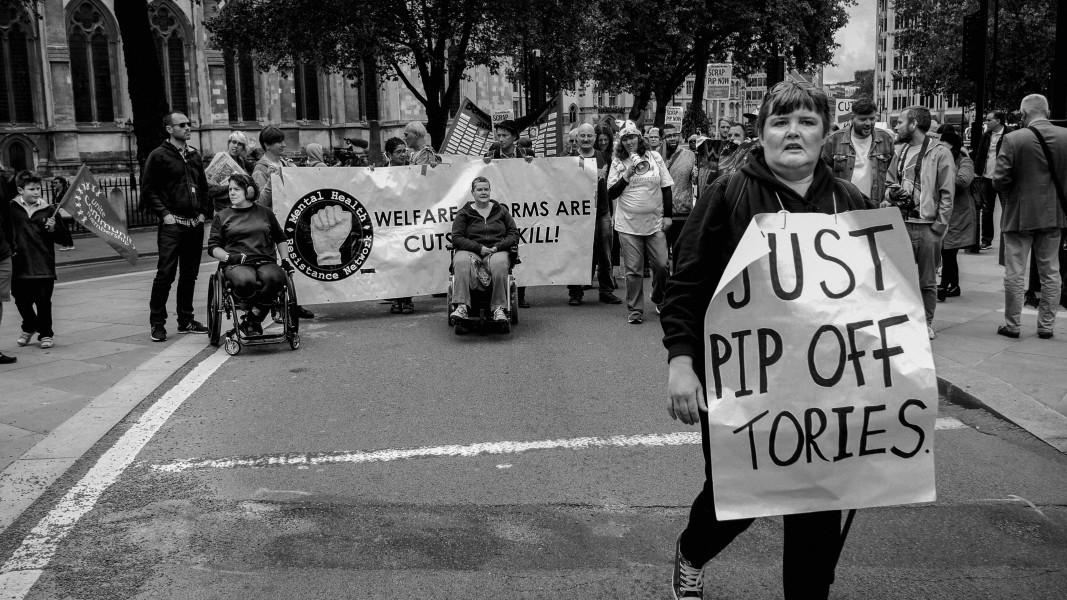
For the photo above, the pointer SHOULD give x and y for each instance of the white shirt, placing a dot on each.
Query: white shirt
(861, 174)
(991, 156)
(639, 209)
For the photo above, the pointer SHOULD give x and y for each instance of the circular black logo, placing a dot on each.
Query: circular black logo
(330, 235)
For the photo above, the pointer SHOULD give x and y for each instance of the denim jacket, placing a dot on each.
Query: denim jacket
(839, 154)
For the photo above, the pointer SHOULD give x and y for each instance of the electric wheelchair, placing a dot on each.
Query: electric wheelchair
(222, 302)
(480, 315)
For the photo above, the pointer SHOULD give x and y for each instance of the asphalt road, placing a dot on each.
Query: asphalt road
(558, 522)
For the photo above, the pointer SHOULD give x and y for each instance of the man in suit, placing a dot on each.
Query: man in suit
(984, 165)
(1033, 216)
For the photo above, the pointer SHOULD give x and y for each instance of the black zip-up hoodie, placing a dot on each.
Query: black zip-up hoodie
(711, 235)
(470, 231)
(34, 255)
(174, 183)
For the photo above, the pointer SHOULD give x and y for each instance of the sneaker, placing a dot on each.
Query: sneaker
(46, 343)
(987, 245)
(635, 320)
(7, 360)
(1044, 334)
(499, 315)
(159, 334)
(610, 298)
(460, 312)
(953, 291)
(687, 581)
(931, 332)
(192, 327)
(1004, 331)
(24, 338)
(251, 327)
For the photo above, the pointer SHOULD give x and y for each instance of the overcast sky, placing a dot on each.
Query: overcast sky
(857, 44)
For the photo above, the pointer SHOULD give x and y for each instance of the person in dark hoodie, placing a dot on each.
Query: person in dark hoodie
(785, 173)
(36, 232)
(175, 188)
(482, 233)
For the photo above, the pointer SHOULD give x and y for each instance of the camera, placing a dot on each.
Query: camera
(901, 198)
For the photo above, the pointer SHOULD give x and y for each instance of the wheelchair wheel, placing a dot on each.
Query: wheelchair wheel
(233, 345)
(514, 301)
(294, 341)
(448, 304)
(291, 315)
(214, 310)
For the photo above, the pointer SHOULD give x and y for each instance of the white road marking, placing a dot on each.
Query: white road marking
(21, 571)
(303, 460)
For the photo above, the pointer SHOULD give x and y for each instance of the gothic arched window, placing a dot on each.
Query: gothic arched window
(306, 80)
(91, 36)
(16, 83)
(240, 88)
(169, 35)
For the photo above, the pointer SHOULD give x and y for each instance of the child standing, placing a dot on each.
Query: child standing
(36, 231)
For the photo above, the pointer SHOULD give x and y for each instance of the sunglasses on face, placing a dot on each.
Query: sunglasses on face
(185, 124)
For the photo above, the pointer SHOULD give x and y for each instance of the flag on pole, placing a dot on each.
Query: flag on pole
(91, 207)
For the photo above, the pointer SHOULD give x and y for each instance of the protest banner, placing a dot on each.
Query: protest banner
(221, 167)
(470, 132)
(545, 129)
(389, 227)
(718, 81)
(820, 378)
(101, 214)
(674, 116)
(843, 108)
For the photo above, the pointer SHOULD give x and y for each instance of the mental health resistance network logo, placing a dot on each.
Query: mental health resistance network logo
(330, 235)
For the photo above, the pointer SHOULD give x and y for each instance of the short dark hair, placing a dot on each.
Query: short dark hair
(666, 126)
(168, 119)
(480, 179)
(864, 106)
(270, 135)
(919, 114)
(246, 181)
(1000, 116)
(392, 143)
(26, 177)
(787, 96)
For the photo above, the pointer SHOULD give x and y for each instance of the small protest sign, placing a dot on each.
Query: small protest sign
(820, 378)
(104, 216)
(843, 108)
(674, 115)
(718, 81)
(221, 167)
(500, 116)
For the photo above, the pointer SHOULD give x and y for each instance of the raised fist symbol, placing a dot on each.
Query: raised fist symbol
(329, 228)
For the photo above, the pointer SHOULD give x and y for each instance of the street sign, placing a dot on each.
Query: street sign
(718, 80)
(843, 109)
(674, 115)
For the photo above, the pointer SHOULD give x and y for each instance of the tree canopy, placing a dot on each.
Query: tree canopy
(935, 41)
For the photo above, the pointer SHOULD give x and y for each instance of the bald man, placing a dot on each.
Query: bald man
(602, 233)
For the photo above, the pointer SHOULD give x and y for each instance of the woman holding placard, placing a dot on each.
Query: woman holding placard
(785, 174)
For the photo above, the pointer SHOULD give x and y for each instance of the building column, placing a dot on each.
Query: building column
(63, 140)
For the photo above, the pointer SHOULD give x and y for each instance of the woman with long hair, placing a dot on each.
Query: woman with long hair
(961, 225)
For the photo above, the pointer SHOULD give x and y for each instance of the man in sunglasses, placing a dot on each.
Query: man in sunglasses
(174, 187)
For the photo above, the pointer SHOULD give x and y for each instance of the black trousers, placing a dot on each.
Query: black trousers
(33, 298)
(950, 268)
(812, 540)
(989, 201)
(180, 251)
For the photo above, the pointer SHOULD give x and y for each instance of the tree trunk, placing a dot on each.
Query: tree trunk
(437, 125)
(147, 95)
(640, 102)
(700, 72)
(663, 96)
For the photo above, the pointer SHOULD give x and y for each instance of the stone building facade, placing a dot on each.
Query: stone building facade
(64, 86)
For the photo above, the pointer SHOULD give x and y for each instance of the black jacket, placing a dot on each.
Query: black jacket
(7, 232)
(711, 235)
(173, 183)
(470, 231)
(983, 150)
(34, 246)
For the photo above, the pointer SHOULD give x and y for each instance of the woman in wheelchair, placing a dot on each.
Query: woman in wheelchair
(482, 233)
(245, 236)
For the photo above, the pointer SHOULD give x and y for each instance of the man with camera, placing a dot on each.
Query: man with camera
(921, 182)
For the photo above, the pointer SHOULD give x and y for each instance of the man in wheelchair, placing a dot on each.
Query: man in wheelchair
(483, 234)
(245, 237)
